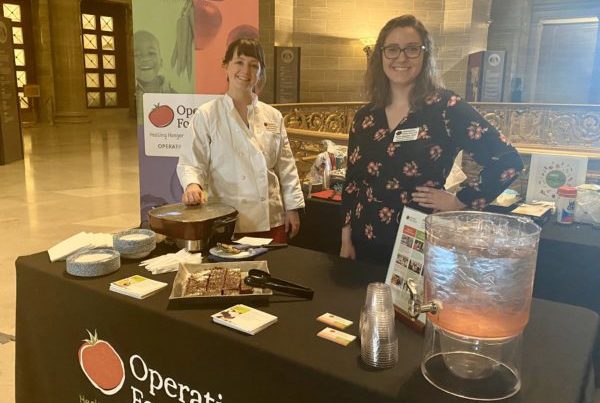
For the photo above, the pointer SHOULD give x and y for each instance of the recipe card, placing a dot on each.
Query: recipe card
(334, 320)
(336, 336)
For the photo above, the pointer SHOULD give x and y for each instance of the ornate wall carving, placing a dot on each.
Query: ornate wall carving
(532, 128)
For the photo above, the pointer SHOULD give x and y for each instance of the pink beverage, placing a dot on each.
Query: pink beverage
(481, 324)
(480, 272)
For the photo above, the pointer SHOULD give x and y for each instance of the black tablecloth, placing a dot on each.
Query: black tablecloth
(284, 363)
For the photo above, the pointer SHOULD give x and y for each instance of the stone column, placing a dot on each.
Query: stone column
(67, 62)
(43, 55)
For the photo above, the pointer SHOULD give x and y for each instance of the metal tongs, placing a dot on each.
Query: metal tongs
(262, 279)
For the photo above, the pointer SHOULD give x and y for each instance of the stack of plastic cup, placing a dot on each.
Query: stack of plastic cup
(378, 338)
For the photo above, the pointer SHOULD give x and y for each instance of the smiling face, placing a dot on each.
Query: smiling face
(402, 71)
(243, 72)
(148, 60)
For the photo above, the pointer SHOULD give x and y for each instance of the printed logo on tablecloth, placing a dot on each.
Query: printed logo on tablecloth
(104, 368)
(101, 364)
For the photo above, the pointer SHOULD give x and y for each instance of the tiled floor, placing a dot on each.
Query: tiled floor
(73, 178)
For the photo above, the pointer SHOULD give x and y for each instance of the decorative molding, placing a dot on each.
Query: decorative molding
(545, 127)
(531, 128)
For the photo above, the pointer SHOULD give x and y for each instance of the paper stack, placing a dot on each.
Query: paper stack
(170, 261)
(77, 242)
(244, 318)
(137, 286)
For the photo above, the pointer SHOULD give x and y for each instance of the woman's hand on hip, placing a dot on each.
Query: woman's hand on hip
(437, 199)
(194, 194)
(292, 223)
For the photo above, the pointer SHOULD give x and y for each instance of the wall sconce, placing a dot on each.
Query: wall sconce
(368, 43)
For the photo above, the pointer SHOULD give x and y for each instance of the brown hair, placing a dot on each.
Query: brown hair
(251, 48)
(376, 82)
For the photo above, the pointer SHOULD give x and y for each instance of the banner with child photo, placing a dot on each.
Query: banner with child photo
(178, 50)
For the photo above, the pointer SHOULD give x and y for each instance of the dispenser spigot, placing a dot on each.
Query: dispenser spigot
(415, 308)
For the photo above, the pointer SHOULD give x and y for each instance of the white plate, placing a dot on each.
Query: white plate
(218, 252)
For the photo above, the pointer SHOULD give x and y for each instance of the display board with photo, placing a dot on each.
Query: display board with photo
(407, 260)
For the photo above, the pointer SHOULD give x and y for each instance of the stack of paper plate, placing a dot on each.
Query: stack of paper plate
(93, 262)
(135, 243)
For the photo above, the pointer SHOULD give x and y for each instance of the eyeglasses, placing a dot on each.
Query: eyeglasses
(411, 51)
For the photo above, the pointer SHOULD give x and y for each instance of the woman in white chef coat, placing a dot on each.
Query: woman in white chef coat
(239, 153)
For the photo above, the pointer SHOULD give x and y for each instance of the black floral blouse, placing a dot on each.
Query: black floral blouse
(382, 174)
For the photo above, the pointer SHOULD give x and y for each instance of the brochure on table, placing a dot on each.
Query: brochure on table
(244, 319)
(407, 259)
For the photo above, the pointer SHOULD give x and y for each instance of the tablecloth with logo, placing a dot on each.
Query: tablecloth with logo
(180, 355)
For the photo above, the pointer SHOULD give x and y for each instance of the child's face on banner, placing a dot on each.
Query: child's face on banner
(243, 72)
(148, 60)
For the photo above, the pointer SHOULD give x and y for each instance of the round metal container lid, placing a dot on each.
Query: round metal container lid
(179, 212)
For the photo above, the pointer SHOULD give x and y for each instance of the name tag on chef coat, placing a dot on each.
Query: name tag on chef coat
(271, 127)
(406, 135)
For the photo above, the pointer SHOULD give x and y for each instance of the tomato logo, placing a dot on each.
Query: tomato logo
(102, 365)
(161, 115)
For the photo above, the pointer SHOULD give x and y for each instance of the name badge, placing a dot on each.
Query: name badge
(271, 127)
(406, 135)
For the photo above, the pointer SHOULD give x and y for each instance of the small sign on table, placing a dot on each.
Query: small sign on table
(407, 263)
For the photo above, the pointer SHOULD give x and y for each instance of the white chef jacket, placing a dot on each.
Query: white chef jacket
(250, 168)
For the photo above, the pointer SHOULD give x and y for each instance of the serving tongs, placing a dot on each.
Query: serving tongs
(262, 279)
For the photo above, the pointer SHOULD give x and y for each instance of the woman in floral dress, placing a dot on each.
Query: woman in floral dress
(403, 143)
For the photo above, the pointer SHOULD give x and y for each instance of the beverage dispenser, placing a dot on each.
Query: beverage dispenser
(478, 283)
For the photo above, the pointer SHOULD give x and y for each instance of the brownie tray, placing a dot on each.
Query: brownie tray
(178, 293)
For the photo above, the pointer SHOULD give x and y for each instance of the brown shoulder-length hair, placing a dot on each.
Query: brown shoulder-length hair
(376, 82)
(251, 48)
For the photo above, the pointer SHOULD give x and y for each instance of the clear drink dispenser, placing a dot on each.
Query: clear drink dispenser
(479, 270)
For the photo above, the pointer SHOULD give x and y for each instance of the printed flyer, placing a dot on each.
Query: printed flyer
(408, 258)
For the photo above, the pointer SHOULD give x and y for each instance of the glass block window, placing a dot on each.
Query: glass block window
(23, 101)
(106, 24)
(90, 41)
(105, 85)
(110, 98)
(17, 35)
(19, 12)
(92, 80)
(108, 62)
(108, 42)
(93, 99)
(21, 78)
(110, 81)
(12, 11)
(88, 21)
(90, 60)
(19, 57)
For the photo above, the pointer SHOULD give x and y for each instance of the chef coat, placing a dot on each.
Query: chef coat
(249, 168)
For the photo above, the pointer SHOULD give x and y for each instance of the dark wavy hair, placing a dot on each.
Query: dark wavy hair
(428, 81)
(251, 48)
